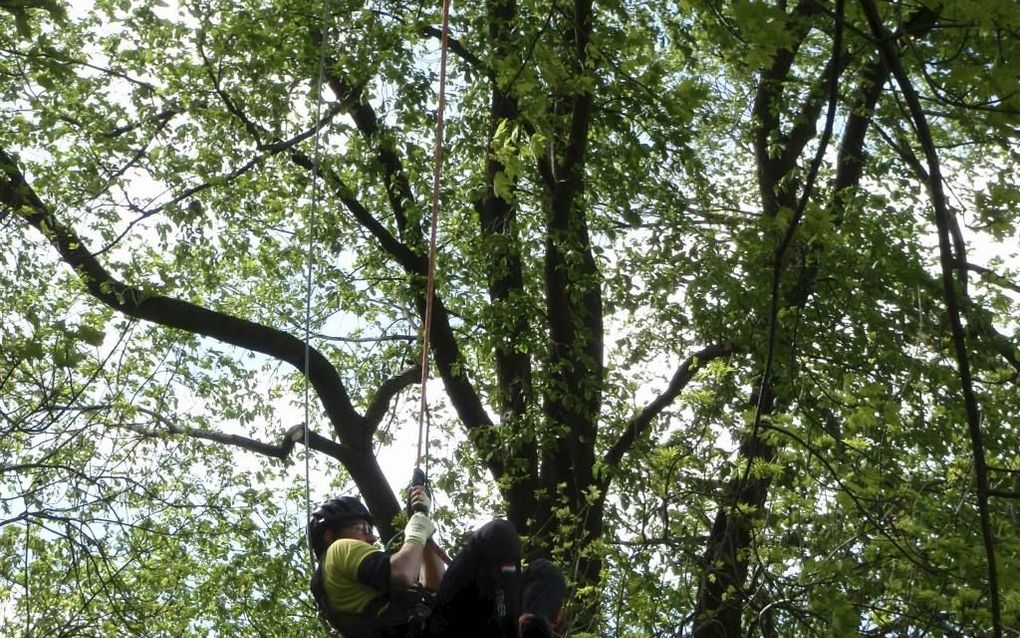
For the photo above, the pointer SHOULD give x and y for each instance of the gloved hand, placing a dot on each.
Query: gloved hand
(419, 500)
(418, 529)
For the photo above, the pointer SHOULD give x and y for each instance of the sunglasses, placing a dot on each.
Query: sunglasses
(362, 527)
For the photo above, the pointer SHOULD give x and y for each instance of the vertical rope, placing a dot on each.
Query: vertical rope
(309, 255)
(430, 283)
(28, 592)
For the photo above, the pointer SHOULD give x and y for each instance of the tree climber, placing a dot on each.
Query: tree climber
(364, 592)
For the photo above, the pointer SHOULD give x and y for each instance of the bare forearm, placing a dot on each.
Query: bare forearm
(433, 567)
(406, 565)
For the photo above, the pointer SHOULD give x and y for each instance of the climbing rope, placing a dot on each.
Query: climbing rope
(430, 282)
(309, 255)
(28, 573)
(423, 441)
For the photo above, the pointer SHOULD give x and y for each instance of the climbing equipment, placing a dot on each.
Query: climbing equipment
(430, 281)
(309, 258)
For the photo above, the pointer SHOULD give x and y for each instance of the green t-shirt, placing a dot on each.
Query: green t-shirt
(345, 593)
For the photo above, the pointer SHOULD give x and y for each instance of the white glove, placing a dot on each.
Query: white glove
(419, 500)
(418, 529)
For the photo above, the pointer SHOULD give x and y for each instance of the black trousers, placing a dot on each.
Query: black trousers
(484, 590)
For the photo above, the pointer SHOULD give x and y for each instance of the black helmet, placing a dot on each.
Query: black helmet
(334, 514)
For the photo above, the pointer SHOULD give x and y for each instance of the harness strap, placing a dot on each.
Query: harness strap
(338, 624)
(364, 624)
(403, 613)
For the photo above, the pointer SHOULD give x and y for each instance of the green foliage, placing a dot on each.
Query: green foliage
(19, 10)
(175, 140)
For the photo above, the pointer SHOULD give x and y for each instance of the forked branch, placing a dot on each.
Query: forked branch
(640, 422)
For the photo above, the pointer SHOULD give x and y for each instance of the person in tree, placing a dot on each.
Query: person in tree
(362, 591)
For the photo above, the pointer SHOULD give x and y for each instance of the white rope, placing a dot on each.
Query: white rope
(309, 256)
(28, 592)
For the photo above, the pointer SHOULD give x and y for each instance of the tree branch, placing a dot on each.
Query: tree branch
(980, 326)
(358, 459)
(449, 362)
(161, 118)
(497, 226)
(397, 186)
(948, 262)
(269, 150)
(458, 48)
(389, 389)
(447, 353)
(910, 158)
(574, 307)
(293, 435)
(767, 101)
(993, 276)
(17, 195)
(408, 260)
(58, 56)
(806, 122)
(639, 423)
(906, 551)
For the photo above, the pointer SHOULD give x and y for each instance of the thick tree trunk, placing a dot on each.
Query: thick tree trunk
(721, 596)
